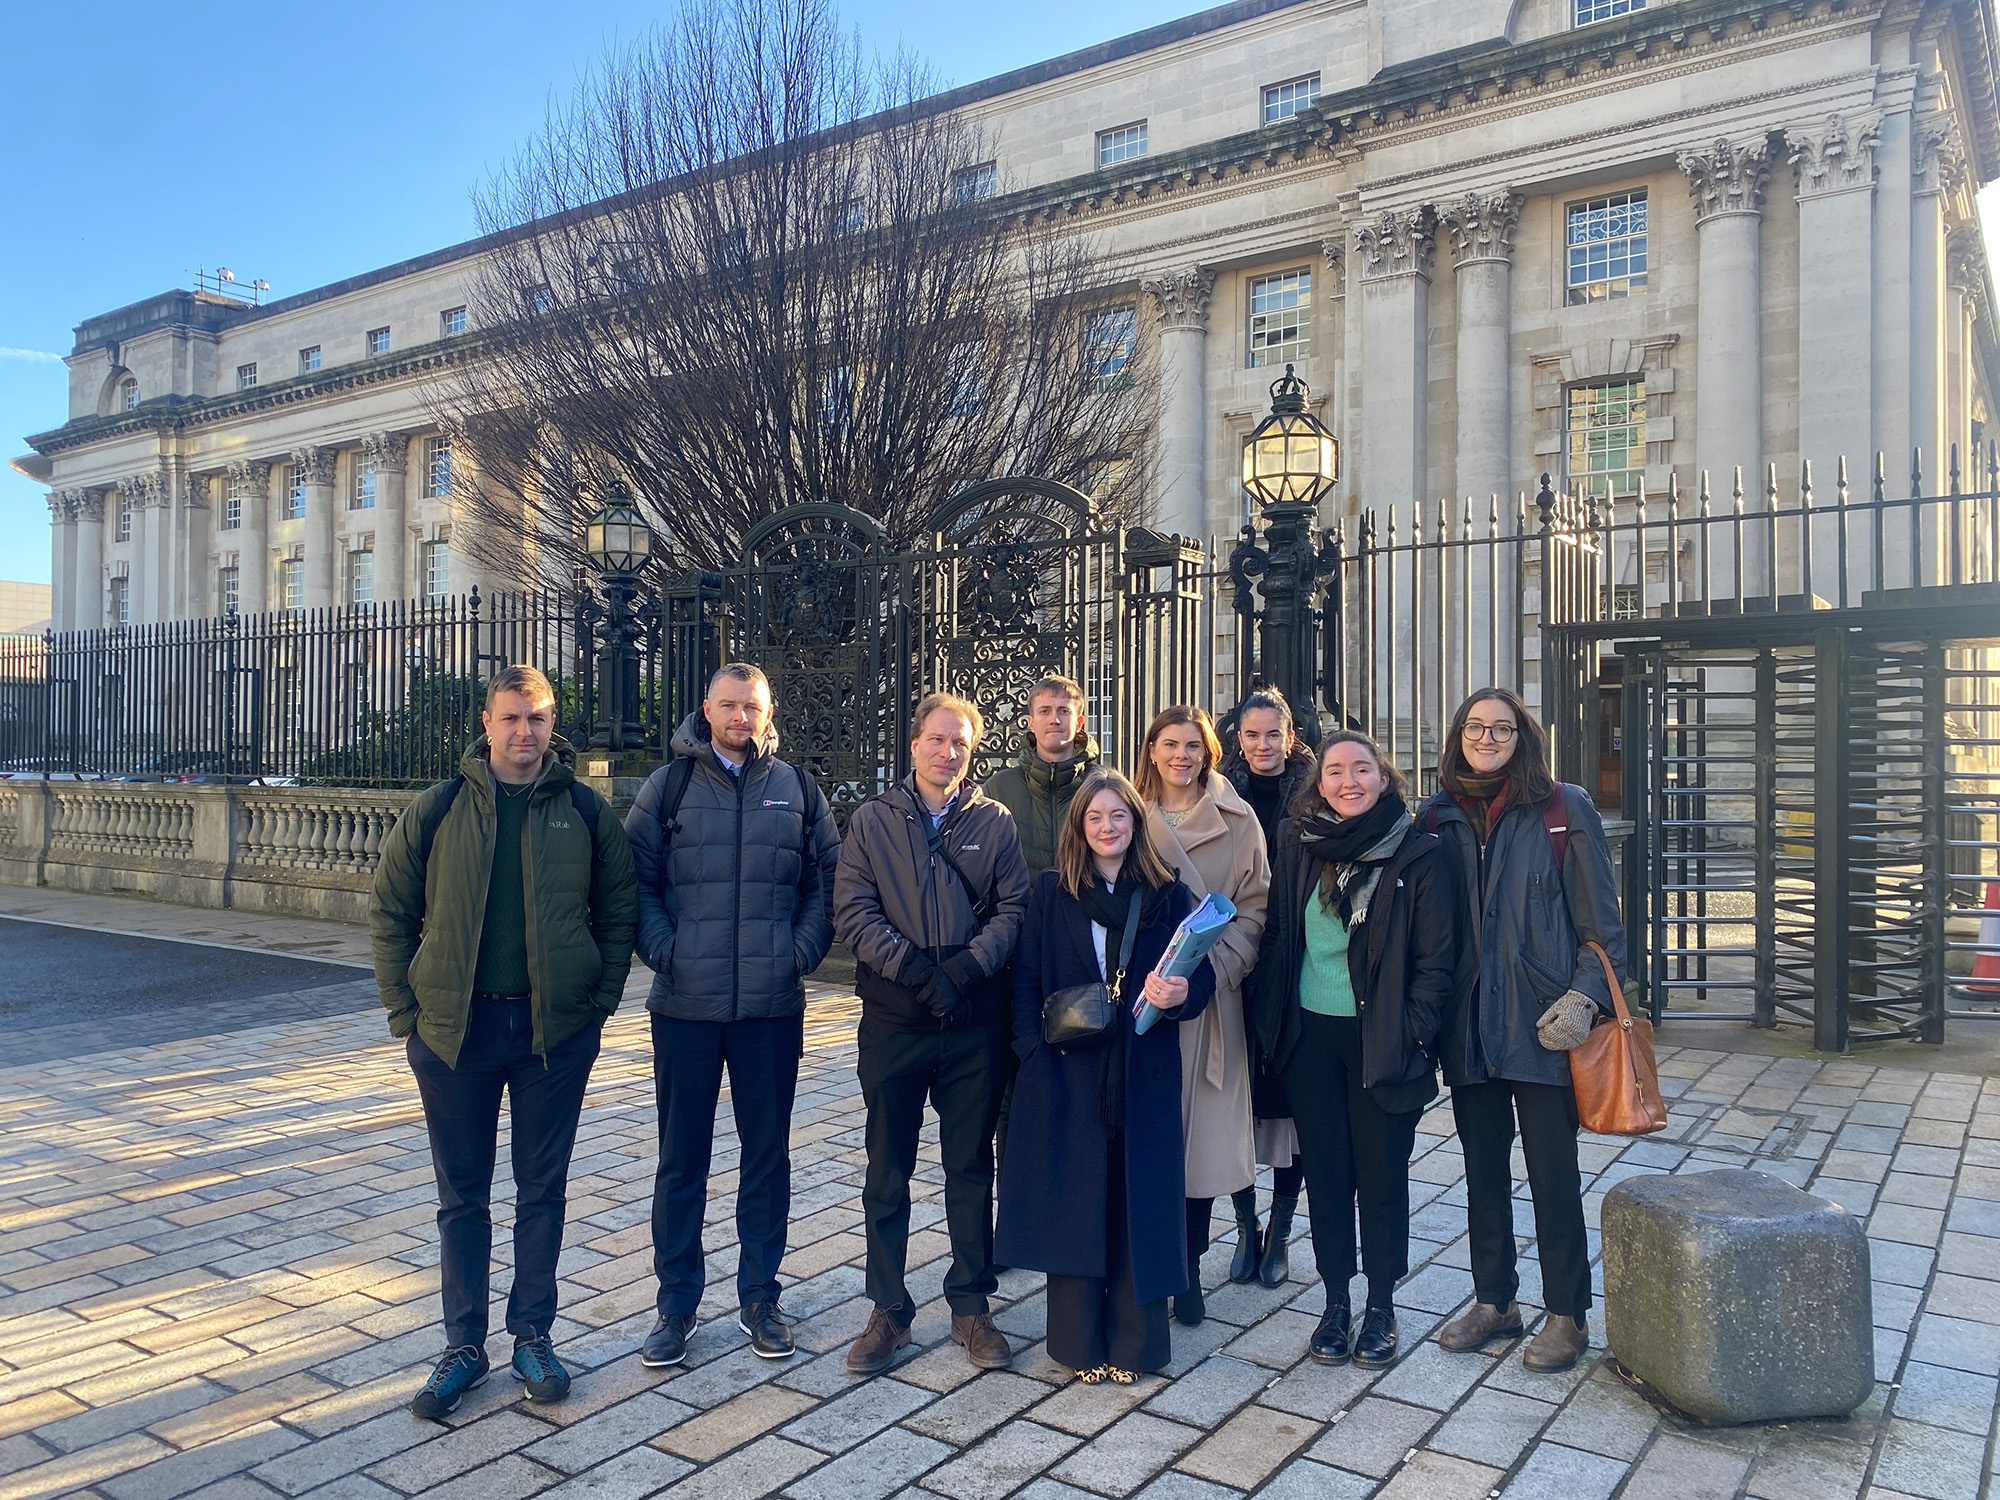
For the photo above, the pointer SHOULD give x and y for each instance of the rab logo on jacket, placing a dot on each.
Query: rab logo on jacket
(554, 824)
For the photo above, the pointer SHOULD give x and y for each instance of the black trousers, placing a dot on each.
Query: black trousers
(1357, 1158)
(1096, 1322)
(961, 1073)
(763, 1061)
(462, 1115)
(1485, 1113)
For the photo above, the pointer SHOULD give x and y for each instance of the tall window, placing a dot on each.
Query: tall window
(968, 378)
(227, 591)
(1122, 144)
(1606, 448)
(121, 602)
(378, 341)
(853, 216)
(363, 497)
(361, 578)
(1283, 100)
(292, 585)
(836, 400)
(982, 181)
(232, 504)
(1586, 11)
(437, 467)
(1113, 338)
(1281, 318)
(1607, 248)
(129, 391)
(309, 360)
(246, 376)
(437, 569)
(451, 321)
(540, 299)
(123, 531)
(295, 493)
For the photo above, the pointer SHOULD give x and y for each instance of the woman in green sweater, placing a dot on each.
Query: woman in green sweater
(1353, 976)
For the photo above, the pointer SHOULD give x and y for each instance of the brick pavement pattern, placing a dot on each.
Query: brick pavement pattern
(217, 1278)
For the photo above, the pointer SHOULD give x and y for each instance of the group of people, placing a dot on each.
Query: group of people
(1373, 946)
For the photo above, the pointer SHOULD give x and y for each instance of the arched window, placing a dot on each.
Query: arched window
(128, 394)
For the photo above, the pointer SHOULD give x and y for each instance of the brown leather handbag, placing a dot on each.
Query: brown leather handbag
(1616, 1080)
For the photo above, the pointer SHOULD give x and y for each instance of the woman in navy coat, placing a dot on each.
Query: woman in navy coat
(1092, 1191)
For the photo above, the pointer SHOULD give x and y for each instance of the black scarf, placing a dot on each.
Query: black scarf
(1110, 909)
(1351, 854)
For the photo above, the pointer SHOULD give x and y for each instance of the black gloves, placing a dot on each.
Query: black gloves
(942, 987)
(964, 970)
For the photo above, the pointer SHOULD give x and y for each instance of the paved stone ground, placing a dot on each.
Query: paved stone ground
(217, 1277)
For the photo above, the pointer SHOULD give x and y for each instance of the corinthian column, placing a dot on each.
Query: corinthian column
(1396, 249)
(198, 542)
(253, 553)
(145, 493)
(1727, 181)
(389, 452)
(1181, 299)
(62, 538)
(1835, 162)
(87, 581)
(316, 469)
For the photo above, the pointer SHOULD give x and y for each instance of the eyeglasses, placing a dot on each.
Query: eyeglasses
(1500, 734)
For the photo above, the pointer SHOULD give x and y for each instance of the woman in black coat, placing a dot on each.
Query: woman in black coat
(1537, 885)
(1092, 1191)
(1356, 971)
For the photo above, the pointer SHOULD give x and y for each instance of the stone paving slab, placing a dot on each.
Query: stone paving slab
(217, 1278)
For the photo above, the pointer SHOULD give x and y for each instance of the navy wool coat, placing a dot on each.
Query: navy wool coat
(1053, 1188)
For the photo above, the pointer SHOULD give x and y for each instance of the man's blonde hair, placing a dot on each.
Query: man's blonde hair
(965, 708)
(525, 680)
(1055, 682)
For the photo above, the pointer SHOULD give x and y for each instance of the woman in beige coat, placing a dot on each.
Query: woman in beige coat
(1210, 835)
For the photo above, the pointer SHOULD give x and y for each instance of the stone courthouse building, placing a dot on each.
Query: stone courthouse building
(1618, 240)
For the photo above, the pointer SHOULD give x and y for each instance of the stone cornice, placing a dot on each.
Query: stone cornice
(1836, 155)
(1181, 297)
(1727, 177)
(1481, 226)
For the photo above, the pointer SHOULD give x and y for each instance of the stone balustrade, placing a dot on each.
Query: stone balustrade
(308, 851)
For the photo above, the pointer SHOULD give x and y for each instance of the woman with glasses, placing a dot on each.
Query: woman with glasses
(1536, 876)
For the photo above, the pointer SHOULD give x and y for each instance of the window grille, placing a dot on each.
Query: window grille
(363, 497)
(1113, 339)
(232, 504)
(309, 360)
(437, 467)
(981, 181)
(378, 341)
(1584, 12)
(361, 578)
(1280, 318)
(1606, 451)
(968, 378)
(246, 376)
(292, 585)
(1607, 248)
(121, 602)
(123, 531)
(437, 569)
(1283, 100)
(131, 392)
(1122, 144)
(228, 593)
(451, 321)
(295, 493)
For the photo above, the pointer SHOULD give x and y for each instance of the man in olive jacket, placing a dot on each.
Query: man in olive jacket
(735, 850)
(929, 895)
(1057, 752)
(502, 916)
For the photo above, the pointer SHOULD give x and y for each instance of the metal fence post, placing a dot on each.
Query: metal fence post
(1831, 828)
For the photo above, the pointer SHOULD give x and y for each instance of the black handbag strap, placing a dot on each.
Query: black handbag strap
(1125, 946)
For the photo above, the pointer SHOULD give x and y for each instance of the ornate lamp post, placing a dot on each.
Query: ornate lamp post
(619, 543)
(1289, 462)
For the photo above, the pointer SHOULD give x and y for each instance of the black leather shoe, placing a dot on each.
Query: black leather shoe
(1330, 1344)
(1191, 1306)
(667, 1344)
(1375, 1345)
(770, 1334)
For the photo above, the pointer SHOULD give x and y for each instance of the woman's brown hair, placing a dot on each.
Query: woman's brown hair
(1073, 857)
(1308, 803)
(1151, 783)
(1529, 781)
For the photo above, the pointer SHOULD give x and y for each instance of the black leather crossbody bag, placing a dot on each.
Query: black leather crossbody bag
(1081, 1014)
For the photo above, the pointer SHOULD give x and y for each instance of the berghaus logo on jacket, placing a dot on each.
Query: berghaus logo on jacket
(776, 802)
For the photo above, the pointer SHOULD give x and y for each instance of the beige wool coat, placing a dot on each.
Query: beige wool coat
(1219, 848)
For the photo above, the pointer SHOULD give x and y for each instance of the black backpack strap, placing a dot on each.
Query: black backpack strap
(585, 803)
(435, 815)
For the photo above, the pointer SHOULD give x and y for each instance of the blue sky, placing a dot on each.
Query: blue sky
(304, 143)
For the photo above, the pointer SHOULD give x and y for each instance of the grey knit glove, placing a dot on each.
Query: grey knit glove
(1565, 1026)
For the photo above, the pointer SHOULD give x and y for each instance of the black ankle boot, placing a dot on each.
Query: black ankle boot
(1243, 1265)
(1190, 1307)
(1276, 1264)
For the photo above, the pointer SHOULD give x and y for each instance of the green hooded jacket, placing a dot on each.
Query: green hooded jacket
(582, 908)
(1038, 795)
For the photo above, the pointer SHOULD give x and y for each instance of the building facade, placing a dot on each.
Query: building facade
(1625, 242)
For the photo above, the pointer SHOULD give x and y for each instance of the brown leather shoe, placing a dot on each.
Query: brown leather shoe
(1559, 1345)
(985, 1345)
(1478, 1325)
(875, 1350)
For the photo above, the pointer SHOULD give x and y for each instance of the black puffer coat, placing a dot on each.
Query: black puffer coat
(1299, 769)
(1527, 924)
(735, 904)
(1403, 962)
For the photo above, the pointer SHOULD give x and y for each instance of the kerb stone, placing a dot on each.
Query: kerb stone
(1738, 1297)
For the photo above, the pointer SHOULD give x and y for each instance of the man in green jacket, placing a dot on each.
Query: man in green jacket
(502, 916)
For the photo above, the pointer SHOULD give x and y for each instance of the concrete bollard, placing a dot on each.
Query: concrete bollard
(1738, 1297)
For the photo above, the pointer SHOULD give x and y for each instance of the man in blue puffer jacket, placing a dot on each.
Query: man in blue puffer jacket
(735, 851)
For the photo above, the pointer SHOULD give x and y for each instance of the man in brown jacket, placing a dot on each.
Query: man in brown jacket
(928, 896)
